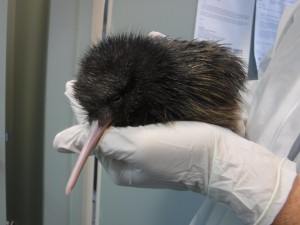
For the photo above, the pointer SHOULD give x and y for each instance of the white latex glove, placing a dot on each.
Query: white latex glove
(192, 156)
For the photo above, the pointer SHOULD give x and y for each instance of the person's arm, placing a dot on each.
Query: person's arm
(290, 214)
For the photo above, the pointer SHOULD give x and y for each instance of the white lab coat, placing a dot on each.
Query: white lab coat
(274, 112)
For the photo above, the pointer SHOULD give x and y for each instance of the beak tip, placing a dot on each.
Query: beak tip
(68, 190)
(69, 187)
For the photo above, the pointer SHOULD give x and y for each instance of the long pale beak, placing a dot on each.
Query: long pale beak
(94, 137)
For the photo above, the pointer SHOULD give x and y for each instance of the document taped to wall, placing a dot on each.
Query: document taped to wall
(268, 15)
(226, 21)
(231, 22)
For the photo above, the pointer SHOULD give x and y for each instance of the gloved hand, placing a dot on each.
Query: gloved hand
(192, 156)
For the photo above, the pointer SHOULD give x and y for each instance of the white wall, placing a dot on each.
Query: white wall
(69, 34)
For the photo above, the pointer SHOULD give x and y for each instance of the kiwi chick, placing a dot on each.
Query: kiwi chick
(133, 80)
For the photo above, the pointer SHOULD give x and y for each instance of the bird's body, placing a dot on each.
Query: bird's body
(138, 80)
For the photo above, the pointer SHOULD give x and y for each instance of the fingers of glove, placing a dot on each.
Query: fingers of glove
(79, 112)
(124, 174)
(180, 152)
(152, 140)
(71, 139)
(156, 34)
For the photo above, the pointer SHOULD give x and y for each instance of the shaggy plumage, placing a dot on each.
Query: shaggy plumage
(137, 80)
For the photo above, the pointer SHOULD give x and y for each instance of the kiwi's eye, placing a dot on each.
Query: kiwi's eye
(117, 98)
